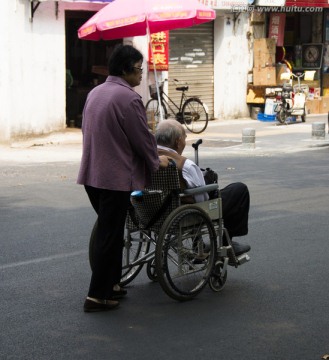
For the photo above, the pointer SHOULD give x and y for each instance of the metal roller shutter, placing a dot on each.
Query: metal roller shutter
(191, 53)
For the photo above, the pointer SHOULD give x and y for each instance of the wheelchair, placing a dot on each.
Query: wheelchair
(184, 246)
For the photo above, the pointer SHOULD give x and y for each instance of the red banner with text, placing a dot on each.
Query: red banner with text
(160, 49)
(276, 27)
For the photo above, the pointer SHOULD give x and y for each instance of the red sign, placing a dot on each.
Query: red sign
(160, 49)
(276, 27)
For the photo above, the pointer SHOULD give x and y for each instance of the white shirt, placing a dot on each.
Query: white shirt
(192, 175)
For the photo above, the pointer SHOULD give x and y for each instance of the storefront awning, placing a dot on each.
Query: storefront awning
(308, 3)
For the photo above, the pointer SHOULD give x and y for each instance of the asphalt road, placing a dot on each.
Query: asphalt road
(273, 308)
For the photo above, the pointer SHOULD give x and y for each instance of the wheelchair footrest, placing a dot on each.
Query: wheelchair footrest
(243, 259)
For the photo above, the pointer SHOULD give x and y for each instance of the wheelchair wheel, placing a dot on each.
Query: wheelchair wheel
(183, 265)
(217, 279)
(134, 248)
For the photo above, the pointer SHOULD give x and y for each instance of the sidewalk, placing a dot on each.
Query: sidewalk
(271, 138)
(221, 137)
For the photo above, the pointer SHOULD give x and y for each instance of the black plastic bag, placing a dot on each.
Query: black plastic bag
(211, 177)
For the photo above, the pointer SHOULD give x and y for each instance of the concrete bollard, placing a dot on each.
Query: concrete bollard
(248, 138)
(318, 130)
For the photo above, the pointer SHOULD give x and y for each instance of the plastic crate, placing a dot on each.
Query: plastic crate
(264, 117)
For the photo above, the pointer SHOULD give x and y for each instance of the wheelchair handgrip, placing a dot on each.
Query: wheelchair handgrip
(196, 145)
(201, 189)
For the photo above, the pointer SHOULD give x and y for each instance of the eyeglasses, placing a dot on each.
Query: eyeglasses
(138, 68)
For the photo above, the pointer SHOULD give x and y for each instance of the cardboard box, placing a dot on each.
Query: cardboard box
(255, 96)
(267, 45)
(264, 76)
(257, 17)
(264, 52)
(312, 106)
(265, 59)
(324, 105)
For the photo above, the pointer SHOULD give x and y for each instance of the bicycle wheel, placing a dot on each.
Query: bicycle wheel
(303, 117)
(153, 107)
(195, 115)
(134, 248)
(183, 266)
(282, 115)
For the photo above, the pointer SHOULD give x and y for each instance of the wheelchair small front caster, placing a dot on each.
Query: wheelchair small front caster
(217, 280)
(151, 271)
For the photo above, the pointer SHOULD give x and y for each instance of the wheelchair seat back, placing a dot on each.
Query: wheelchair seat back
(158, 200)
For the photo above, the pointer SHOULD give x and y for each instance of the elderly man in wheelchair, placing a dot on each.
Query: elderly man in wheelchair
(177, 231)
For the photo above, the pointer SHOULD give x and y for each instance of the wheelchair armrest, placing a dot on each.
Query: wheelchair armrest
(200, 189)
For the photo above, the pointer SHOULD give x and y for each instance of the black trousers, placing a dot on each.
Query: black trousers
(235, 204)
(111, 208)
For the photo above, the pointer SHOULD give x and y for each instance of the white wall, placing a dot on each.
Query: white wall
(140, 43)
(32, 72)
(5, 55)
(232, 56)
(35, 71)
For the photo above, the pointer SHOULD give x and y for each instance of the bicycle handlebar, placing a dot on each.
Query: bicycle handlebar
(297, 75)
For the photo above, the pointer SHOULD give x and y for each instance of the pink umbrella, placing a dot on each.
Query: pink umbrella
(125, 18)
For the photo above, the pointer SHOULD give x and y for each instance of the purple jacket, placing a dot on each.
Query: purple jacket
(119, 152)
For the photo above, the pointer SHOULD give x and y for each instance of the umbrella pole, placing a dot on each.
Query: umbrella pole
(154, 68)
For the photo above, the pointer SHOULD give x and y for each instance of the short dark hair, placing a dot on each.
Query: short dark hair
(123, 59)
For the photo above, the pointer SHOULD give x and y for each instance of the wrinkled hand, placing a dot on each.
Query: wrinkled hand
(164, 161)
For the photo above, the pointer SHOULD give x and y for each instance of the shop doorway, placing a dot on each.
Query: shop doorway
(86, 65)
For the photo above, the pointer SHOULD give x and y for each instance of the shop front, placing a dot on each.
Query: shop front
(296, 40)
(86, 65)
(191, 61)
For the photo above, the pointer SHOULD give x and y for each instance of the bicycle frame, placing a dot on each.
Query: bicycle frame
(191, 111)
(171, 105)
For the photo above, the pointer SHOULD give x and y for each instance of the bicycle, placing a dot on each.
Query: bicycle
(292, 100)
(191, 111)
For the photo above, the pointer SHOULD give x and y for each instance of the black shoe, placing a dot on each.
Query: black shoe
(118, 294)
(240, 248)
(93, 306)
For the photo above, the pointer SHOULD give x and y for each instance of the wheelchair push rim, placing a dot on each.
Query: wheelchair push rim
(183, 265)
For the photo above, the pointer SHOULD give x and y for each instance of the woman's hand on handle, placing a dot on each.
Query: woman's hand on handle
(164, 161)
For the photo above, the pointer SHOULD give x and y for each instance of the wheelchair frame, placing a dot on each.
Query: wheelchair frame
(181, 245)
